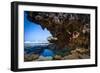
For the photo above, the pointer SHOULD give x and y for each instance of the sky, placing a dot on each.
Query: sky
(33, 32)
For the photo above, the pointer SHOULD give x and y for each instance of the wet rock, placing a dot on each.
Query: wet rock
(43, 58)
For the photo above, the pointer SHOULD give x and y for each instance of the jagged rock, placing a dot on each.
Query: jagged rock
(72, 56)
(51, 38)
(82, 50)
(32, 57)
(78, 53)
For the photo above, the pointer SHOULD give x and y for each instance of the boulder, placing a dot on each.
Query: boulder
(57, 57)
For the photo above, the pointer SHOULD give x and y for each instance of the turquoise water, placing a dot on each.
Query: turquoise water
(43, 50)
(47, 52)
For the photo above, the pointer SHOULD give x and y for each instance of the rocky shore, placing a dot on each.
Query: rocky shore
(70, 36)
(78, 53)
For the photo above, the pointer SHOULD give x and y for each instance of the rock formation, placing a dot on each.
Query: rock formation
(64, 27)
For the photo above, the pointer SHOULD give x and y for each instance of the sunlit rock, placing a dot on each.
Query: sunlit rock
(57, 57)
(42, 58)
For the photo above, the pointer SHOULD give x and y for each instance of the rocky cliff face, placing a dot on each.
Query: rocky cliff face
(67, 29)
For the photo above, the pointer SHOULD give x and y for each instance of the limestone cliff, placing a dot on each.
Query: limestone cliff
(67, 29)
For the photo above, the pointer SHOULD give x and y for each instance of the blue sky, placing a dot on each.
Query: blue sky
(33, 32)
